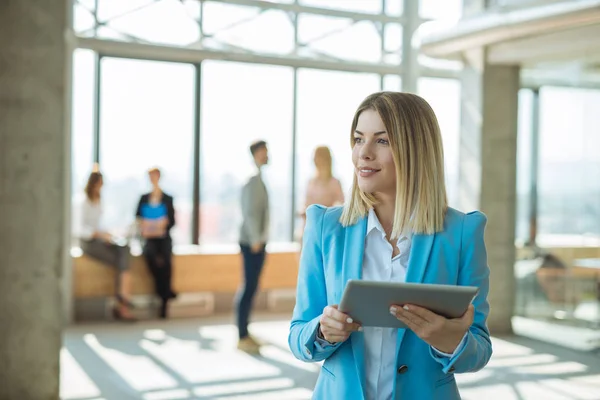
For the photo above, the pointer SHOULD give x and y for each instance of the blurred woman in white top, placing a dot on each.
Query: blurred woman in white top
(102, 246)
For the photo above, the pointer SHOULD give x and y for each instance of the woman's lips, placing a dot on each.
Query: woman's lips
(367, 172)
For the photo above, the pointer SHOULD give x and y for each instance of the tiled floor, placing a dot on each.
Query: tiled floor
(197, 359)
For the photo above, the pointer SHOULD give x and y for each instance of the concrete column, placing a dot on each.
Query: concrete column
(487, 179)
(32, 191)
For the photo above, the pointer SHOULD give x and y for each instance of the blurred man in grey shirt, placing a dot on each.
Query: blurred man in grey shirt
(253, 239)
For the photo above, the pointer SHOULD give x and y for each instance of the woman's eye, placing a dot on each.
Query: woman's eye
(357, 140)
(383, 141)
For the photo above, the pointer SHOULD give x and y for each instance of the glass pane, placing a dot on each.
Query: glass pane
(82, 134)
(392, 59)
(444, 97)
(359, 41)
(147, 120)
(565, 288)
(440, 10)
(219, 16)
(326, 120)
(311, 27)
(164, 21)
(109, 9)
(393, 38)
(524, 137)
(268, 31)
(242, 103)
(569, 171)
(392, 83)
(192, 8)
(83, 19)
(370, 6)
(89, 4)
(394, 7)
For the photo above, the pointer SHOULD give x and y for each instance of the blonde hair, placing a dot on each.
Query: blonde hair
(417, 150)
(324, 154)
(154, 170)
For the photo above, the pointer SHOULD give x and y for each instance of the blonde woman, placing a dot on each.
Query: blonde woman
(395, 227)
(323, 188)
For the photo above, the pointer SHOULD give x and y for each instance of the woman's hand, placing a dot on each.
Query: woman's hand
(442, 333)
(151, 229)
(104, 236)
(335, 326)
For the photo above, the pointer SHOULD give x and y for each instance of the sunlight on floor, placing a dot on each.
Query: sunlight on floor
(183, 360)
(74, 382)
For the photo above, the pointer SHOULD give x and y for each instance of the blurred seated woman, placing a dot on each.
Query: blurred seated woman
(103, 246)
(156, 217)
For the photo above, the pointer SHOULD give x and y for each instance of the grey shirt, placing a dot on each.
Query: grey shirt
(255, 212)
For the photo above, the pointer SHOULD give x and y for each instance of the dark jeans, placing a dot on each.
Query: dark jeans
(159, 258)
(253, 264)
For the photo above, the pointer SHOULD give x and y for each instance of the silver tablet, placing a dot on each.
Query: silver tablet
(368, 302)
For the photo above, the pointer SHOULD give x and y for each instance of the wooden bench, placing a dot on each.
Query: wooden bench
(213, 276)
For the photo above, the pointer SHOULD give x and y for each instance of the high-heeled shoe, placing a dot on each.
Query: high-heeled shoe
(120, 317)
(123, 301)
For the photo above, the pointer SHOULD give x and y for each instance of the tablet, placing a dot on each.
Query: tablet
(368, 302)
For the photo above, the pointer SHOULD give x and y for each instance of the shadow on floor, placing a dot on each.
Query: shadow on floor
(192, 359)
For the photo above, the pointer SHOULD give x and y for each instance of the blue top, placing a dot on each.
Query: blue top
(153, 211)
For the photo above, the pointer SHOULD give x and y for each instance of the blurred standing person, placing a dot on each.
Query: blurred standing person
(100, 245)
(156, 216)
(323, 188)
(254, 233)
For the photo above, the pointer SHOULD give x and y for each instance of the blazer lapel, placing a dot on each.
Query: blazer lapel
(419, 255)
(417, 264)
(354, 249)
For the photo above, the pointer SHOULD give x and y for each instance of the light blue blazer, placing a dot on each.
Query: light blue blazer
(333, 254)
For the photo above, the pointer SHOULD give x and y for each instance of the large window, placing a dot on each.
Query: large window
(524, 171)
(444, 97)
(569, 179)
(146, 120)
(82, 136)
(326, 104)
(151, 112)
(242, 103)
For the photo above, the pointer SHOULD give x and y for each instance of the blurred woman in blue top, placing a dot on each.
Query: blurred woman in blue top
(156, 217)
(395, 227)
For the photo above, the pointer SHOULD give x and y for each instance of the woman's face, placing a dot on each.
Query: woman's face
(154, 178)
(372, 155)
(319, 159)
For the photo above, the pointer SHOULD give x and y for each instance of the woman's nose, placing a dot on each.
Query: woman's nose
(366, 152)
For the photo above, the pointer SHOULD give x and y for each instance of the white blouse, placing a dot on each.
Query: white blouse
(91, 214)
